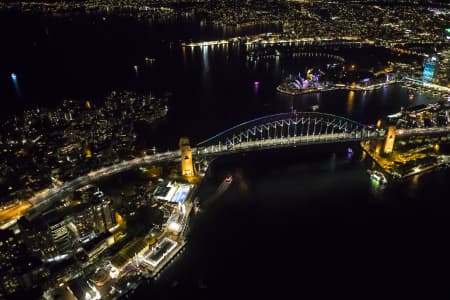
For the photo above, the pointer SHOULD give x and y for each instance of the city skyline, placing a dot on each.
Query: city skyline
(148, 144)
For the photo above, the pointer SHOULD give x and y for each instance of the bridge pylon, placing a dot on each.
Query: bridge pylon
(390, 140)
(187, 167)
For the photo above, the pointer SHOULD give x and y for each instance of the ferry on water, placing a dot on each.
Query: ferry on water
(378, 176)
(228, 179)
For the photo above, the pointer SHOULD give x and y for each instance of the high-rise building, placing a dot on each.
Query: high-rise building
(12, 251)
(443, 76)
(48, 236)
(83, 220)
(19, 271)
(89, 220)
(103, 216)
(36, 238)
(61, 236)
(429, 70)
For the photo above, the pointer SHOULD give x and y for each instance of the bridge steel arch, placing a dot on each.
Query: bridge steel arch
(284, 129)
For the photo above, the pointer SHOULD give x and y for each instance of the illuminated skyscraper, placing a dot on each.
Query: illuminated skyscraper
(83, 219)
(48, 236)
(61, 236)
(429, 70)
(443, 75)
(11, 251)
(103, 216)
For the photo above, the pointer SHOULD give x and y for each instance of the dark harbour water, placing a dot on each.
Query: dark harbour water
(311, 217)
(303, 217)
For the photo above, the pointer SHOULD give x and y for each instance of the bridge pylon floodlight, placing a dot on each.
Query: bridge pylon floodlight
(390, 140)
(187, 168)
(378, 146)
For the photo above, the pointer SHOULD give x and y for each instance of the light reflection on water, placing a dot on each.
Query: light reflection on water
(350, 102)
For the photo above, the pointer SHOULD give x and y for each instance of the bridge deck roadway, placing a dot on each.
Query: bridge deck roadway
(422, 131)
(215, 150)
(221, 149)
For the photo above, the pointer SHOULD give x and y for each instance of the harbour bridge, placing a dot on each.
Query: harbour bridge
(274, 131)
(284, 130)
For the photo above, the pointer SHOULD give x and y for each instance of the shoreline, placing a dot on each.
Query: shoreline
(425, 169)
(301, 92)
(411, 84)
(151, 276)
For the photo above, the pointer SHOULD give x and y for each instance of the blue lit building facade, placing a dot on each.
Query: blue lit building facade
(429, 70)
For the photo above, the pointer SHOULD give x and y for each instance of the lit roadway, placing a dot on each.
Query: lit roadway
(422, 131)
(9, 216)
(42, 200)
(280, 142)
